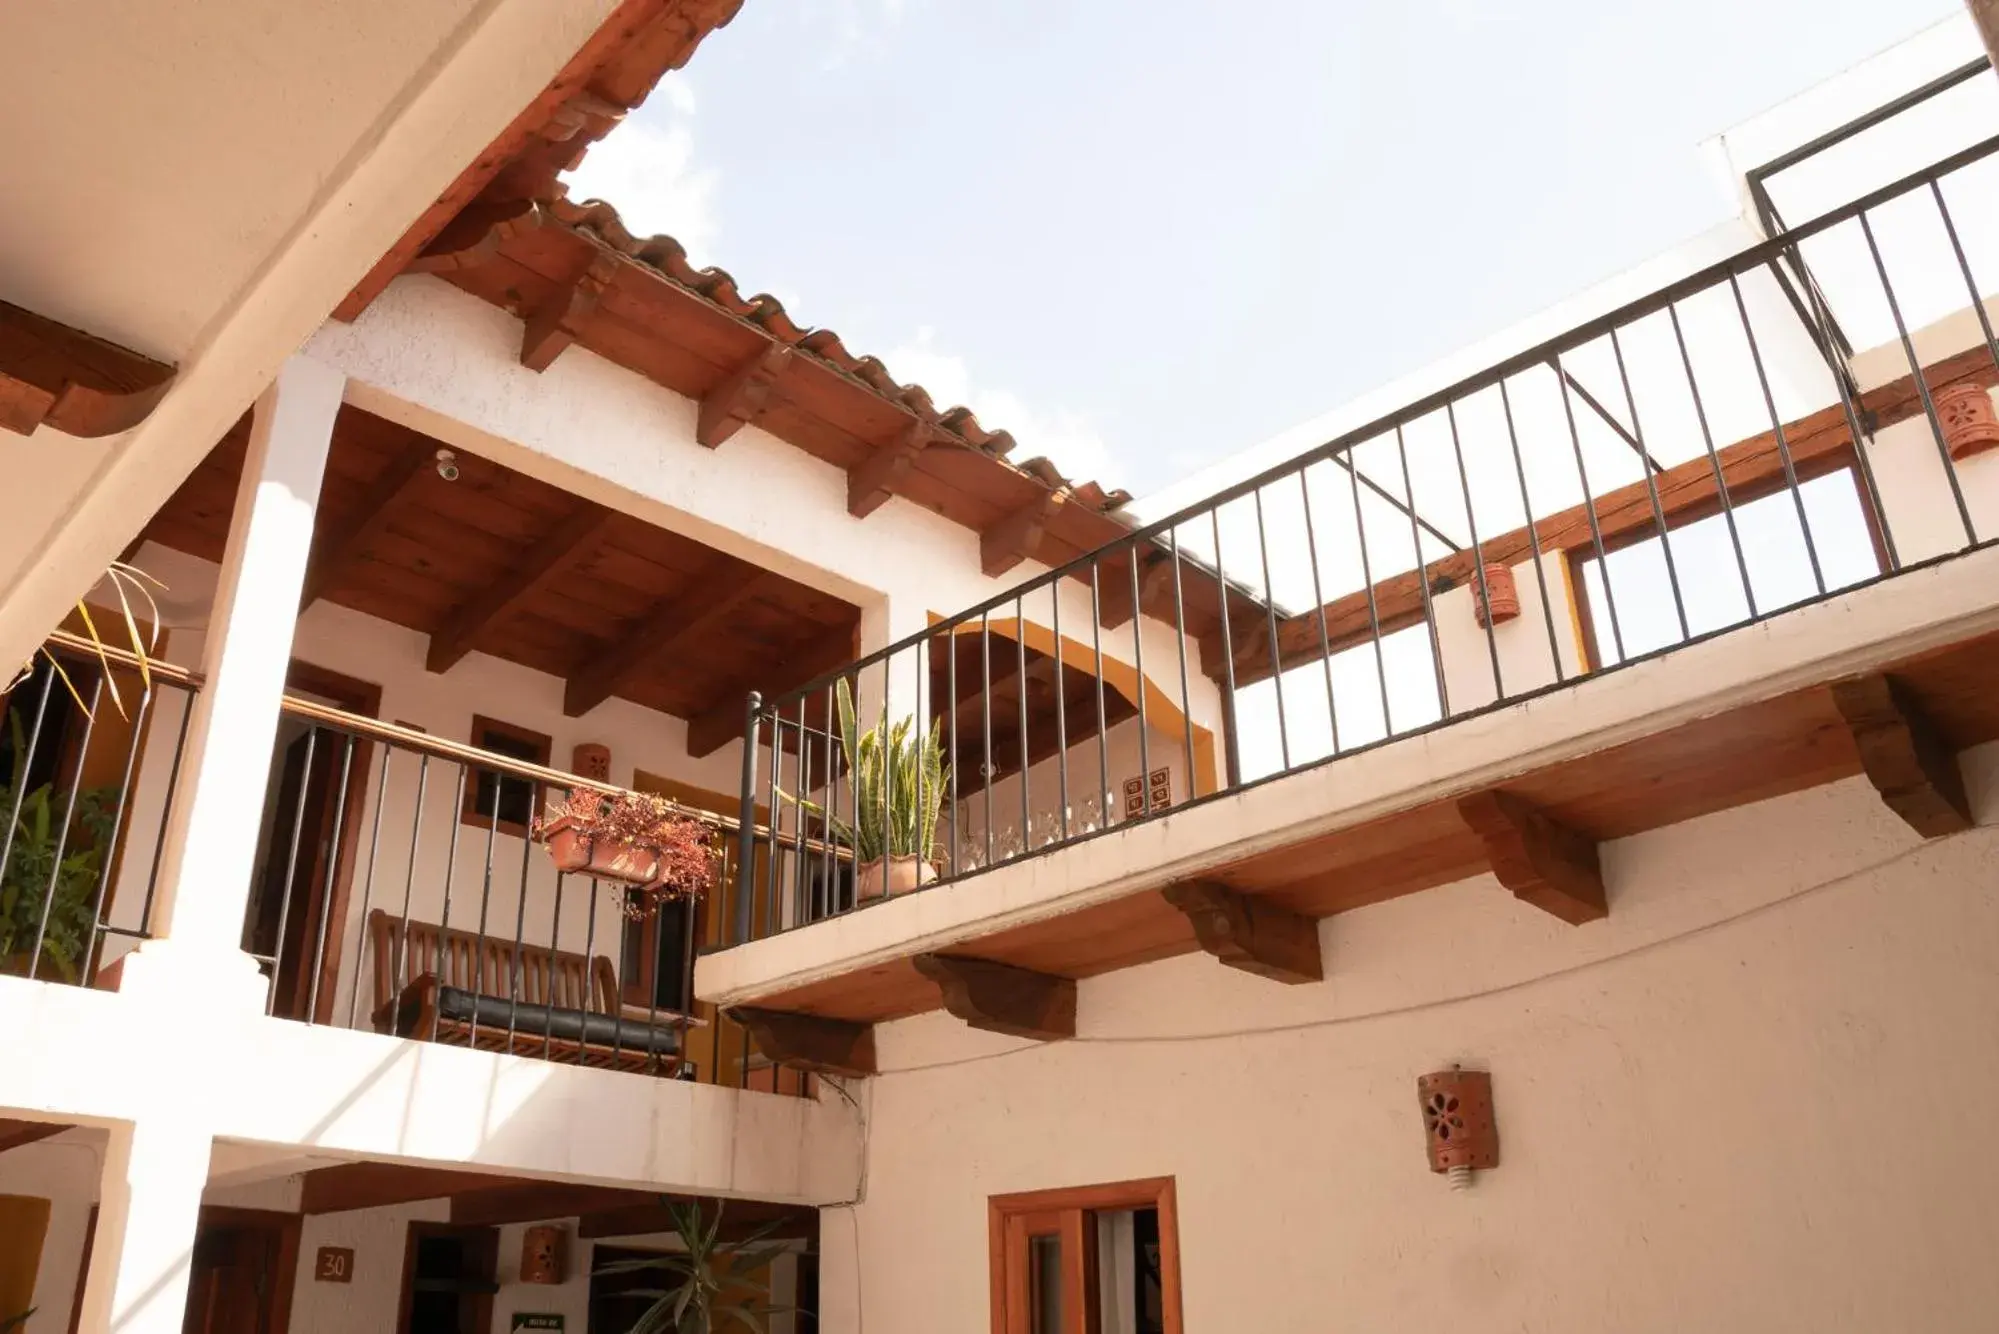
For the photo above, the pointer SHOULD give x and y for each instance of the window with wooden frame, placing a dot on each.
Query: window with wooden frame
(1089, 1260)
(492, 796)
(1844, 545)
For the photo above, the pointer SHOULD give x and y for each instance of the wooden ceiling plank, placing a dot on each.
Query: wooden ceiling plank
(1250, 935)
(808, 1042)
(721, 720)
(742, 395)
(1904, 755)
(332, 1190)
(82, 385)
(567, 544)
(558, 321)
(532, 1201)
(1542, 861)
(1001, 998)
(1017, 537)
(679, 621)
(336, 547)
(870, 485)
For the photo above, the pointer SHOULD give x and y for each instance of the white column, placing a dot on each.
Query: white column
(148, 1206)
(210, 838)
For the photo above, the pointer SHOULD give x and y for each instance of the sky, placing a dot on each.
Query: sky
(1145, 236)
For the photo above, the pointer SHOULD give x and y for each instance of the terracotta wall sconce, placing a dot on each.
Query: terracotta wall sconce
(541, 1255)
(1458, 1125)
(1970, 426)
(591, 760)
(1498, 600)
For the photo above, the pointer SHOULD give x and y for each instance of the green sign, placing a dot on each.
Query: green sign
(536, 1320)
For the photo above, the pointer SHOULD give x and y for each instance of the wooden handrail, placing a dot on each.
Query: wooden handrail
(409, 738)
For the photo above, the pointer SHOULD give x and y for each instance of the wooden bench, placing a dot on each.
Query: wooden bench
(463, 990)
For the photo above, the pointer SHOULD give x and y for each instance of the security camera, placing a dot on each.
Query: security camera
(447, 465)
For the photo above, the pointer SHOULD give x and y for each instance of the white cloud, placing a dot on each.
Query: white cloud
(646, 168)
(1067, 439)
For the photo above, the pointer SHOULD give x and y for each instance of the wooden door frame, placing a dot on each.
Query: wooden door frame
(1148, 1193)
(286, 1228)
(363, 698)
(419, 1229)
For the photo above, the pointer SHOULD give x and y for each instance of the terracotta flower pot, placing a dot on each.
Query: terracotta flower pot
(610, 859)
(1969, 424)
(1500, 591)
(896, 875)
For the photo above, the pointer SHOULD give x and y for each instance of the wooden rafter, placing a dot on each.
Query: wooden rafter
(332, 1190)
(1904, 756)
(742, 395)
(721, 720)
(1000, 998)
(1542, 861)
(1116, 602)
(808, 1042)
(1817, 444)
(709, 601)
(1249, 934)
(336, 547)
(51, 374)
(1017, 537)
(870, 485)
(565, 546)
(476, 235)
(557, 321)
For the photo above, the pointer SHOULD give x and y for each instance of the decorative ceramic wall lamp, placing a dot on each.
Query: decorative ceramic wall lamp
(541, 1255)
(1497, 600)
(1458, 1125)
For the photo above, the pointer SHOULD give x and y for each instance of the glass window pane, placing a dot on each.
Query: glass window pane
(1044, 1280)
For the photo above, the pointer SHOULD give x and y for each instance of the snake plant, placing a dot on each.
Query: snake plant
(897, 782)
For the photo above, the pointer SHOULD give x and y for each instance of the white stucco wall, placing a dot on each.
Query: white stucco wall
(1728, 1107)
(62, 1170)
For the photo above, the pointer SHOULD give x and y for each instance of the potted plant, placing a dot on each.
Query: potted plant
(27, 893)
(712, 1285)
(635, 837)
(897, 780)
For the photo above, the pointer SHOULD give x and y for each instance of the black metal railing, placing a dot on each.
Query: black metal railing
(1694, 461)
(80, 849)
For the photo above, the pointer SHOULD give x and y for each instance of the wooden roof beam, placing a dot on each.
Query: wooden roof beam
(1116, 604)
(1543, 862)
(1000, 998)
(808, 1042)
(1017, 537)
(1249, 934)
(870, 485)
(1904, 756)
(555, 555)
(51, 374)
(332, 1190)
(720, 721)
(558, 320)
(335, 548)
(676, 622)
(743, 395)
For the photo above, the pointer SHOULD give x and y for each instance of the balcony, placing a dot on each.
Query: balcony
(396, 887)
(1724, 542)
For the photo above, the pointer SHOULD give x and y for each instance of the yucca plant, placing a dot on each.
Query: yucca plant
(716, 1285)
(130, 583)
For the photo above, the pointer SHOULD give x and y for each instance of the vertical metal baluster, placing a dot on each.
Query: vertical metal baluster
(1714, 461)
(368, 885)
(955, 758)
(589, 955)
(1964, 267)
(1319, 599)
(776, 853)
(1026, 751)
(921, 728)
(1423, 579)
(451, 866)
(1232, 750)
(485, 904)
(514, 969)
(62, 833)
(1061, 705)
(34, 742)
(1477, 551)
(291, 870)
(1922, 386)
(400, 968)
(746, 830)
(1270, 619)
(829, 874)
(986, 722)
(548, 996)
(1589, 507)
(1138, 668)
(1777, 426)
(1373, 610)
(888, 772)
(1103, 731)
(622, 895)
(1651, 487)
(1180, 641)
(88, 973)
(801, 862)
(326, 888)
(1533, 532)
(166, 806)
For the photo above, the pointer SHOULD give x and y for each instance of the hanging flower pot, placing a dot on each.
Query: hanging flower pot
(632, 837)
(1499, 598)
(1970, 426)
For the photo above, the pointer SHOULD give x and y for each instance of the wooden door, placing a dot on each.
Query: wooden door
(1050, 1275)
(241, 1279)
